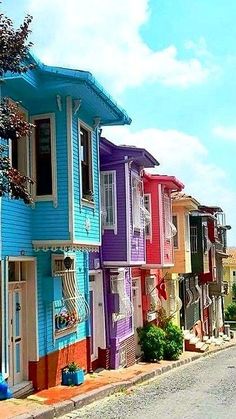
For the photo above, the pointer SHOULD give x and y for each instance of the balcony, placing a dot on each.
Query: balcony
(219, 289)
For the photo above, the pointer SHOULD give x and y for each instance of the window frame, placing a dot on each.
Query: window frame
(25, 139)
(114, 206)
(176, 236)
(187, 232)
(167, 217)
(84, 126)
(53, 195)
(139, 225)
(70, 329)
(149, 209)
(194, 239)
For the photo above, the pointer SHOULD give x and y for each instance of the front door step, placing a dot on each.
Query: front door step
(22, 390)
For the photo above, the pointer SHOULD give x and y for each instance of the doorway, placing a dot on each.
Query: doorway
(97, 319)
(138, 316)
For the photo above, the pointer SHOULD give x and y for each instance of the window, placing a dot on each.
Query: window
(147, 215)
(175, 238)
(86, 163)
(151, 291)
(187, 233)
(69, 306)
(17, 271)
(167, 217)
(123, 307)
(19, 151)
(108, 200)
(137, 203)
(44, 150)
(193, 239)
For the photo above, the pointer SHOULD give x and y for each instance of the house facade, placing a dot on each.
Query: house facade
(123, 242)
(44, 252)
(229, 276)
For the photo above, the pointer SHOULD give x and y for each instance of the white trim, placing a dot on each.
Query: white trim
(70, 165)
(22, 259)
(52, 197)
(161, 223)
(114, 226)
(177, 233)
(123, 263)
(157, 265)
(82, 124)
(127, 204)
(149, 195)
(65, 242)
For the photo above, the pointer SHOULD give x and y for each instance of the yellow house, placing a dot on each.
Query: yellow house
(182, 205)
(229, 269)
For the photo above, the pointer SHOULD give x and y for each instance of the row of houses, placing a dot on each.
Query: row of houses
(105, 245)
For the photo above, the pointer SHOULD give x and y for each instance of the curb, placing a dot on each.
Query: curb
(67, 406)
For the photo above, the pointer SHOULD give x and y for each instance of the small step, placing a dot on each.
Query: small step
(200, 345)
(194, 340)
(204, 348)
(22, 390)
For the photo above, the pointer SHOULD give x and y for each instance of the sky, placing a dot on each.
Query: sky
(171, 64)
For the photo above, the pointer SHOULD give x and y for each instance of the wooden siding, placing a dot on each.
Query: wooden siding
(47, 343)
(16, 225)
(153, 246)
(182, 256)
(85, 214)
(118, 250)
(137, 237)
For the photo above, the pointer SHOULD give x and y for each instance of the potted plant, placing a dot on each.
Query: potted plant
(72, 375)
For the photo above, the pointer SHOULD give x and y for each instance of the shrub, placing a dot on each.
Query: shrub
(230, 312)
(151, 340)
(173, 345)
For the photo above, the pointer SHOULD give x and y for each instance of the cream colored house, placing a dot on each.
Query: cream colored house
(229, 272)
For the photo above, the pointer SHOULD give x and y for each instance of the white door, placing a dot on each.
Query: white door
(138, 315)
(15, 333)
(97, 319)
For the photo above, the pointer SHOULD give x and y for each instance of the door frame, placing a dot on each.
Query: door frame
(138, 281)
(99, 333)
(31, 350)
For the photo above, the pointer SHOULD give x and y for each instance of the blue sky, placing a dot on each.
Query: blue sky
(171, 64)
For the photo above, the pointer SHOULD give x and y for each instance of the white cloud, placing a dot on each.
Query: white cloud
(185, 157)
(104, 37)
(225, 132)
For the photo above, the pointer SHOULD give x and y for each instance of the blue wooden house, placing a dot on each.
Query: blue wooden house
(44, 248)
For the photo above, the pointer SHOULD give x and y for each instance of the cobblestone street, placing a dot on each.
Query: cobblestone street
(204, 389)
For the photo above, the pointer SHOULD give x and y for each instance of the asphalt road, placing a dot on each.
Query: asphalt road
(203, 389)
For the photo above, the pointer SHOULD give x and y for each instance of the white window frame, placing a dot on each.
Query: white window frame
(53, 196)
(86, 127)
(24, 140)
(68, 330)
(187, 232)
(177, 231)
(148, 208)
(167, 217)
(106, 226)
(137, 220)
(151, 291)
(126, 305)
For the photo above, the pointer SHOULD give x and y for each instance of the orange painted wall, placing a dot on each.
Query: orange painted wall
(182, 256)
(47, 371)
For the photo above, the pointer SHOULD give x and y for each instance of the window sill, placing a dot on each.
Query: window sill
(65, 332)
(88, 203)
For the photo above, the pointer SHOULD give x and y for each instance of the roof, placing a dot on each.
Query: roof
(79, 84)
(231, 260)
(188, 201)
(171, 182)
(139, 155)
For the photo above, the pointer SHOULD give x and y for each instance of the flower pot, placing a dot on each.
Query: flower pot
(72, 378)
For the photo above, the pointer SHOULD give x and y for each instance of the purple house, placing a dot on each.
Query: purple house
(123, 241)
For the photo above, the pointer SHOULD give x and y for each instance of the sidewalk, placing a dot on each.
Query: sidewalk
(56, 401)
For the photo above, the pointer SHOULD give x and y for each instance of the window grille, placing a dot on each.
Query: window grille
(187, 232)
(152, 292)
(72, 308)
(124, 308)
(193, 239)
